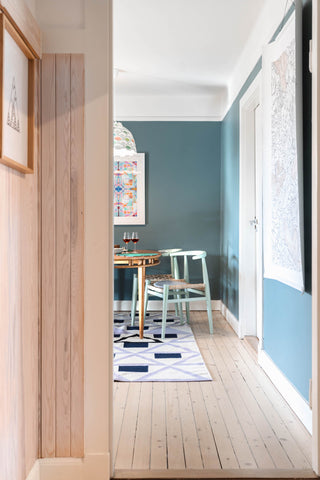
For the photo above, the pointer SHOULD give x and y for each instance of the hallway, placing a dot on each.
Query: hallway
(229, 427)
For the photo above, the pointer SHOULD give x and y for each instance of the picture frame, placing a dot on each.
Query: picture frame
(129, 190)
(17, 78)
(282, 104)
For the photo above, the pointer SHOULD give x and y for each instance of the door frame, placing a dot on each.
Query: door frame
(248, 103)
(108, 379)
(315, 236)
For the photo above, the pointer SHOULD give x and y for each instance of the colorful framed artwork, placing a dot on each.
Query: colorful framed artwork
(17, 67)
(129, 190)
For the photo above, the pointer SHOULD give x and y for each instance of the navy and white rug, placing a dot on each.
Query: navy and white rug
(175, 359)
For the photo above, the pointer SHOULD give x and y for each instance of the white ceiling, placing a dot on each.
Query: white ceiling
(171, 46)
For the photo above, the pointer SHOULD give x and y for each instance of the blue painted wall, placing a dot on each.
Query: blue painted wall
(182, 195)
(287, 313)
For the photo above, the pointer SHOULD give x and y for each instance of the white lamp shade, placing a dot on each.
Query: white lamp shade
(123, 141)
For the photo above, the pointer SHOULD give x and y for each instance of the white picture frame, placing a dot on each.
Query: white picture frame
(129, 189)
(283, 156)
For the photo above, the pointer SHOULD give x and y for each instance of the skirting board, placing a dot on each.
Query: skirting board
(91, 467)
(296, 402)
(231, 319)
(156, 305)
(34, 473)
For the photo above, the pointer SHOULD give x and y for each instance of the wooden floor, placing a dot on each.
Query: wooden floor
(238, 425)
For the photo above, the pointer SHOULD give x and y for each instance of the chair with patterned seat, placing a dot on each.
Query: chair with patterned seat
(152, 279)
(180, 290)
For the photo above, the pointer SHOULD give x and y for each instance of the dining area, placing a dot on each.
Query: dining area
(163, 285)
(165, 266)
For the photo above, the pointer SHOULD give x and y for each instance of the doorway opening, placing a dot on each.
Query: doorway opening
(135, 421)
(250, 217)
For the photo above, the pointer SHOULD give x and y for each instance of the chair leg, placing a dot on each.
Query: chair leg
(208, 300)
(180, 308)
(176, 305)
(146, 298)
(134, 298)
(187, 307)
(164, 310)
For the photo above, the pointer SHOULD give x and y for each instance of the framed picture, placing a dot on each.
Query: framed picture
(17, 64)
(129, 190)
(283, 155)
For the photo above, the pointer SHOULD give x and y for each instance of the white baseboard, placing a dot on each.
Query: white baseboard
(156, 305)
(287, 390)
(283, 385)
(90, 467)
(231, 319)
(34, 473)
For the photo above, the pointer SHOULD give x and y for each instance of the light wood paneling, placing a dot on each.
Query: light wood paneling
(21, 17)
(48, 156)
(62, 254)
(238, 425)
(63, 257)
(19, 317)
(77, 251)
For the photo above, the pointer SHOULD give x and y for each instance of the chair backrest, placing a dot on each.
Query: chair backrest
(166, 252)
(196, 255)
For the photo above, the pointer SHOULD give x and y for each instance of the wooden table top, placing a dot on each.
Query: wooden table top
(141, 260)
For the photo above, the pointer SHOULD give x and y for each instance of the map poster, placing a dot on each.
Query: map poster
(129, 190)
(283, 157)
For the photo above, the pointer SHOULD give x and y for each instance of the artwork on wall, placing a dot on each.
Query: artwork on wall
(283, 156)
(129, 190)
(17, 65)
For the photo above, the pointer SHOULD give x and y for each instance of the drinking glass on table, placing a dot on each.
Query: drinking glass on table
(135, 240)
(126, 239)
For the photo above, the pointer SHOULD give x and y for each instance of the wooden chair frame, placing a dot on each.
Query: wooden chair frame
(171, 292)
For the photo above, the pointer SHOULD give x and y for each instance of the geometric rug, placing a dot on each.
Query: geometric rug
(175, 359)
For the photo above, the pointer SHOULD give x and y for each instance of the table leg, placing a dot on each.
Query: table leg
(141, 282)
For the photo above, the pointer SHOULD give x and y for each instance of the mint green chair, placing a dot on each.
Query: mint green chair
(155, 278)
(178, 290)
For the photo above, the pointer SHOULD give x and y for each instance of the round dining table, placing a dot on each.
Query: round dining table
(140, 259)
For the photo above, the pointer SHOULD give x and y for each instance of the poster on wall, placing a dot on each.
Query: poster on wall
(283, 156)
(129, 190)
(17, 99)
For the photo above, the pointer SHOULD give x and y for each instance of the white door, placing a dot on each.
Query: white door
(250, 220)
(258, 224)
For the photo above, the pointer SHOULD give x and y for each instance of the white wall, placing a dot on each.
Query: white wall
(32, 6)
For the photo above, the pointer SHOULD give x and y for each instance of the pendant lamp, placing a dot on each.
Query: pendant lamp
(123, 141)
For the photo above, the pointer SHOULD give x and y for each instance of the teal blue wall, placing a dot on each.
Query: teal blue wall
(182, 194)
(287, 313)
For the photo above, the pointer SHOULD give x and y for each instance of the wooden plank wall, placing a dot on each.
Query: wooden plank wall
(62, 255)
(19, 316)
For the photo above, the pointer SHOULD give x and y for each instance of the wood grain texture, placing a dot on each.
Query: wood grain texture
(20, 16)
(62, 255)
(77, 254)
(19, 319)
(63, 258)
(48, 184)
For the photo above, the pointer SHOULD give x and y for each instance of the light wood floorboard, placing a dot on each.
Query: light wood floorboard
(238, 425)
